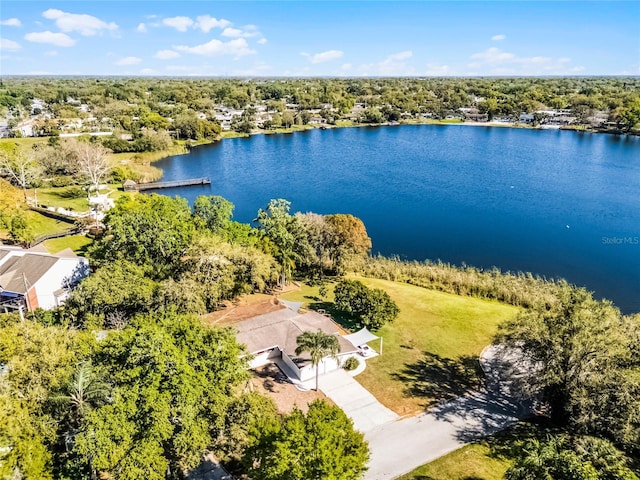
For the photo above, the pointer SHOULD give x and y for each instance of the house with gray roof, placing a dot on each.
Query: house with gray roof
(32, 279)
(273, 338)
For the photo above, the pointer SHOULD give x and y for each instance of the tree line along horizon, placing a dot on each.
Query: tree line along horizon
(133, 105)
(162, 388)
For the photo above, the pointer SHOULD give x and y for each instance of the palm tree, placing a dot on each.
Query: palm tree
(85, 391)
(319, 345)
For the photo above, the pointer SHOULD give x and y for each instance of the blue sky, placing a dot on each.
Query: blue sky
(329, 38)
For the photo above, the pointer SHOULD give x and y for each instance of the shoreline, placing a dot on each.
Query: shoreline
(188, 145)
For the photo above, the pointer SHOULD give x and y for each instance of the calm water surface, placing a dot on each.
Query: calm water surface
(556, 203)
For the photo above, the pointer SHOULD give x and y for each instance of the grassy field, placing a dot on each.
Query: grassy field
(430, 352)
(77, 243)
(12, 201)
(473, 462)
(487, 459)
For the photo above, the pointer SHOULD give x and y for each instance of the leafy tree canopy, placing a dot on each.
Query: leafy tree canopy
(319, 444)
(584, 358)
(167, 400)
(373, 307)
(150, 230)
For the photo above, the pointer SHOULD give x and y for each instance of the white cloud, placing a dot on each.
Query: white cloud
(177, 68)
(51, 53)
(437, 70)
(237, 47)
(325, 56)
(7, 45)
(128, 61)
(86, 25)
(179, 23)
(166, 54)
(248, 32)
(57, 39)
(11, 22)
(493, 55)
(148, 71)
(262, 41)
(393, 65)
(498, 38)
(232, 32)
(141, 28)
(494, 61)
(206, 23)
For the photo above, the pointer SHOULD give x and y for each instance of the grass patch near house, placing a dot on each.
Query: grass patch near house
(73, 197)
(12, 202)
(472, 462)
(39, 224)
(487, 459)
(26, 143)
(430, 352)
(491, 457)
(77, 243)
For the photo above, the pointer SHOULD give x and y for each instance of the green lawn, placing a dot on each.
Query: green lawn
(77, 243)
(430, 352)
(487, 459)
(473, 462)
(72, 197)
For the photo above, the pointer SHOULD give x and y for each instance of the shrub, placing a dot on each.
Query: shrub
(351, 364)
(373, 307)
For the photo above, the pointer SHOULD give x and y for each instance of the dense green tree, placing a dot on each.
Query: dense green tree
(177, 380)
(563, 458)
(373, 307)
(582, 358)
(319, 345)
(372, 115)
(150, 230)
(186, 126)
(215, 211)
(286, 232)
(111, 296)
(319, 444)
(37, 361)
(287, 119)
(244, 420)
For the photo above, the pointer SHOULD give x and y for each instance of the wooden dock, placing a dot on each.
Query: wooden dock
(175, 183)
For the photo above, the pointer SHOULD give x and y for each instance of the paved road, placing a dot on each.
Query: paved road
(399, 447)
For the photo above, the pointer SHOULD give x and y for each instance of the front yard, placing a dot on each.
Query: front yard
(430, 352)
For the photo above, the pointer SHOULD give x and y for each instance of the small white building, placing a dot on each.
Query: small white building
(31, 279)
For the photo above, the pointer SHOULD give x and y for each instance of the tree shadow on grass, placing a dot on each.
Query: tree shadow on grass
(437, 378)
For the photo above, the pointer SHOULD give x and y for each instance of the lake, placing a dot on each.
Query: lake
(555, 203)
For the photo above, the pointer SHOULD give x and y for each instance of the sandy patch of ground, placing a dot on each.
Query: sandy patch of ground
(270, 381)
(246, 306)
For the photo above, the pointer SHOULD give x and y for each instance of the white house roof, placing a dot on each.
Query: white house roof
(361, 337)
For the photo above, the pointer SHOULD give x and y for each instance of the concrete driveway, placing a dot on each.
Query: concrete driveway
(359, 405)
(399, 447)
